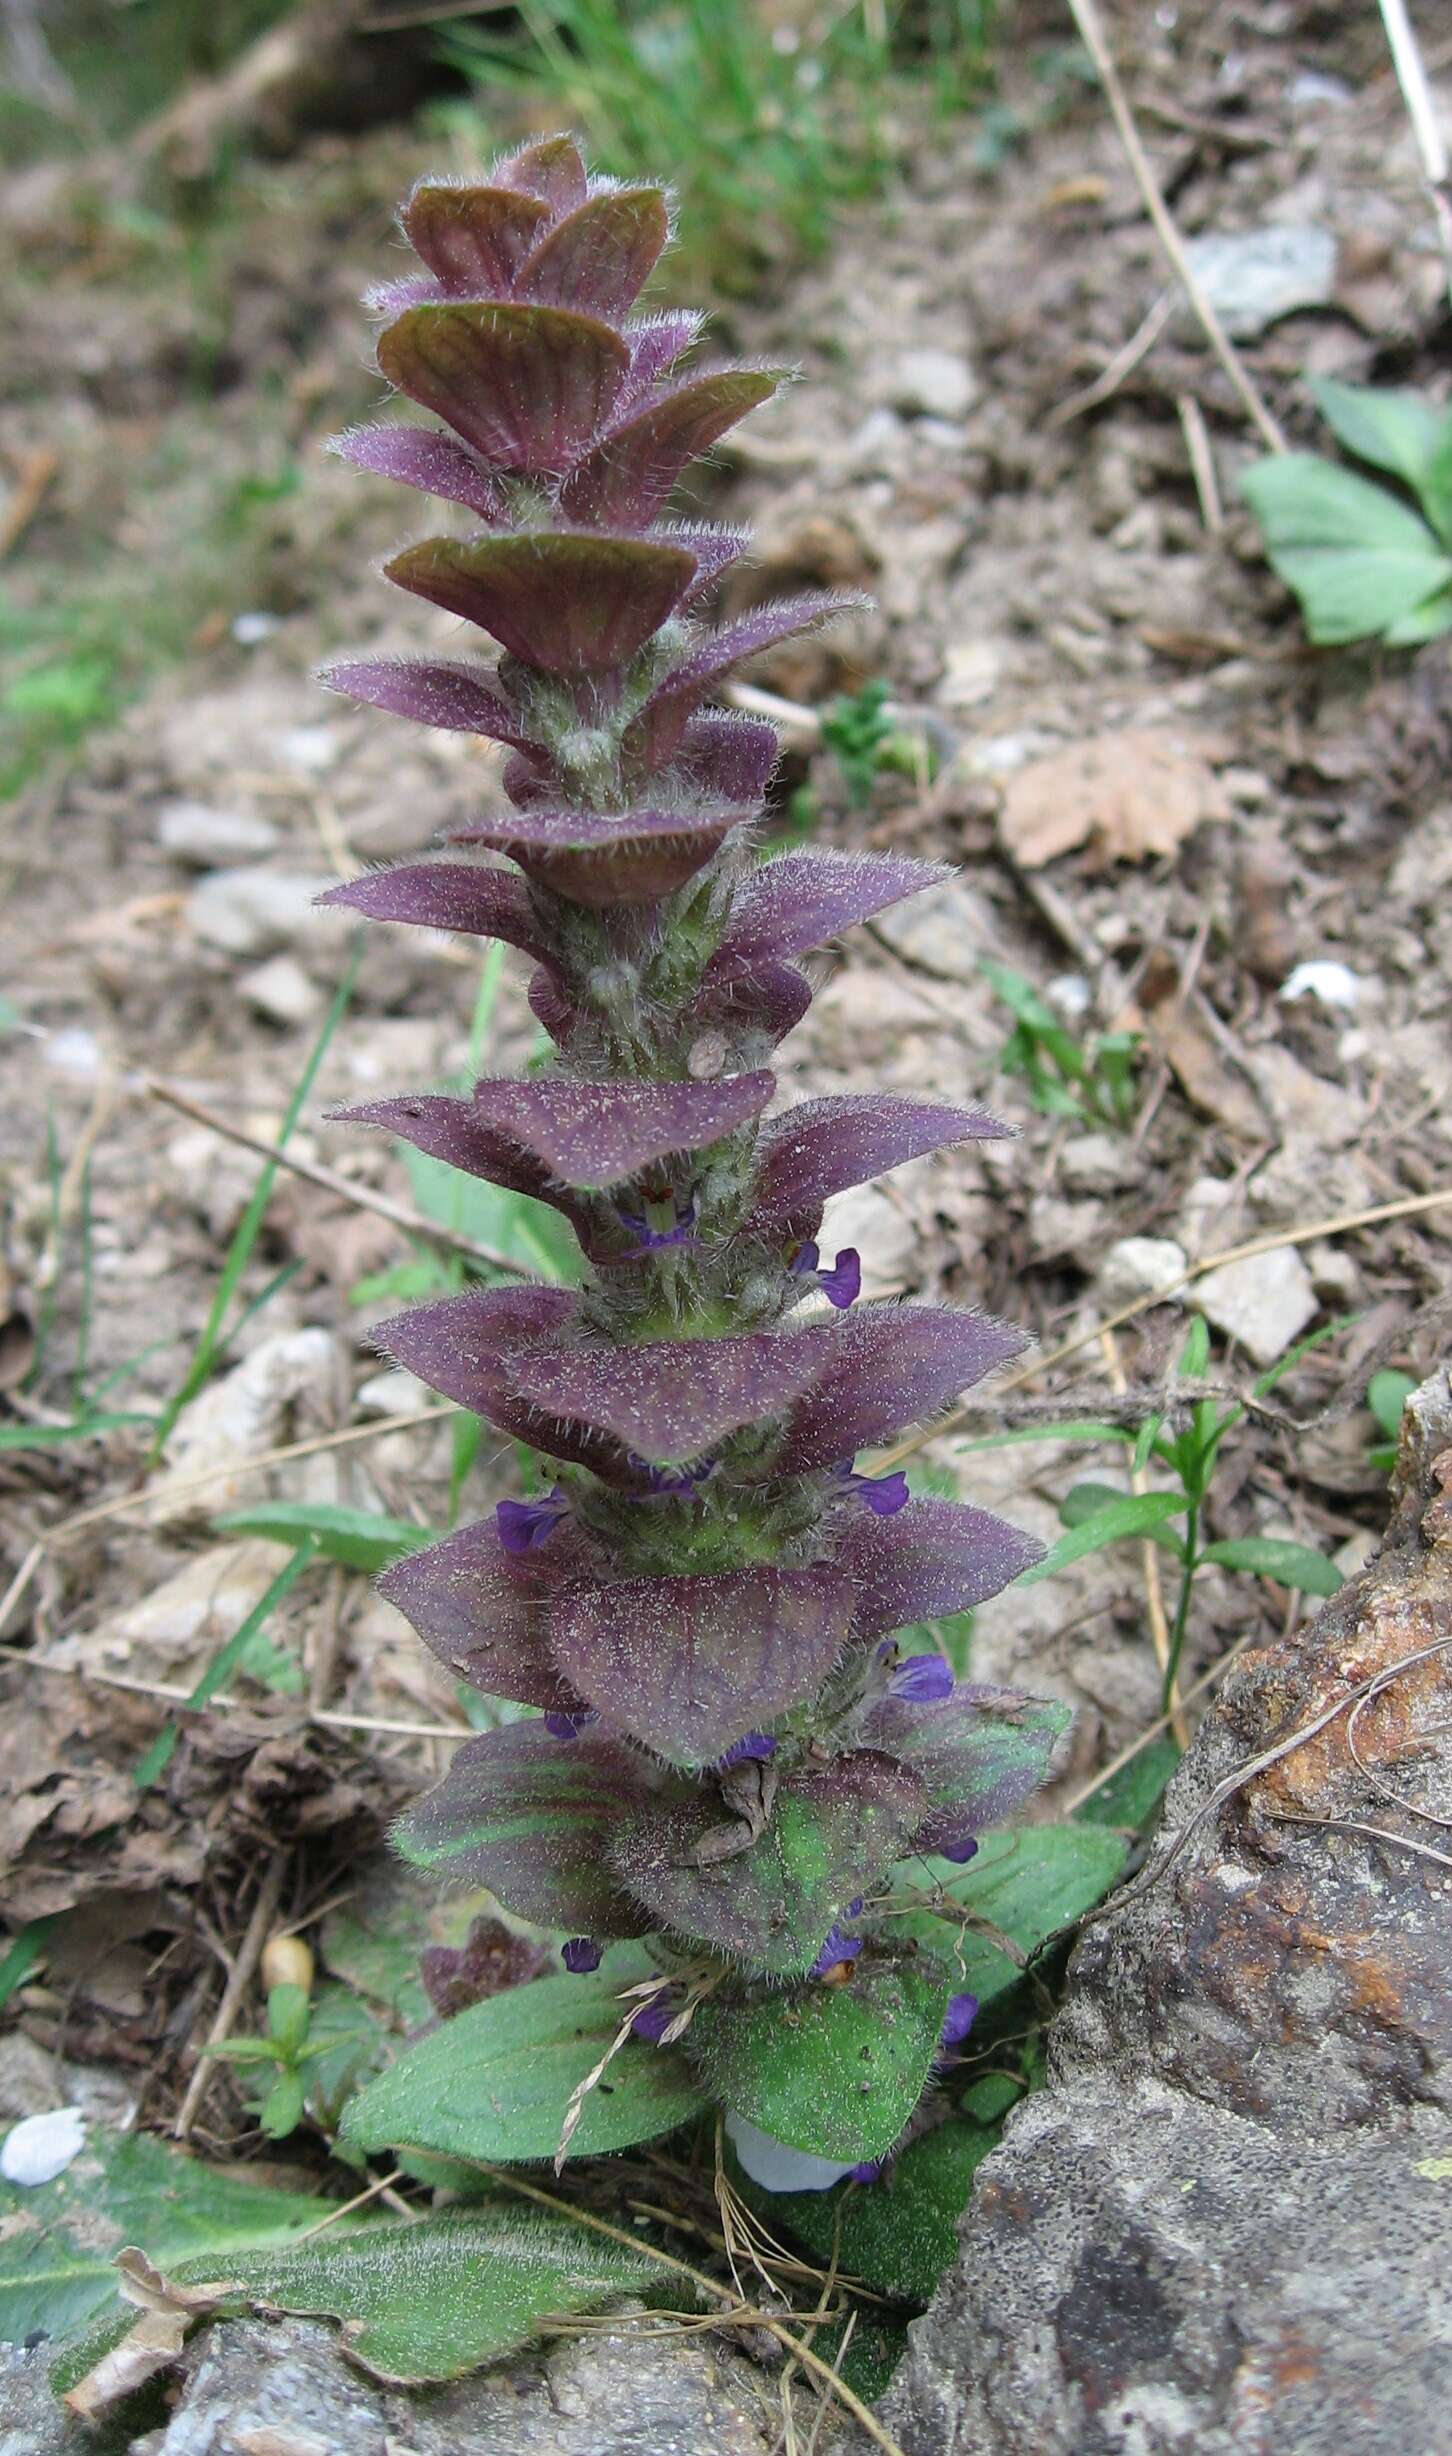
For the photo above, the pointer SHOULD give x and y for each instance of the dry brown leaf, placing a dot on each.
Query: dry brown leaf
(167, 2311)
(1126, 795)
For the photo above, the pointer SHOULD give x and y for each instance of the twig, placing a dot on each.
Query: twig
(249, 1953)
(168, 1692)
(1150, 1565)
(1340, 1224)
(1085, 14)
(360, 2200)
(1120, 366)
(731, 2316)
(257, 1464)
(400, 1214)
(1202, 461)
(1426, 127)
(800, 727)
(1372, 1833)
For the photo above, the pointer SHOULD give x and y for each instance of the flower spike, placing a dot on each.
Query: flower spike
(723, 1751)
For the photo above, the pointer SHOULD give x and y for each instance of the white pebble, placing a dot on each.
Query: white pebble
(1329, 983)
(42, 2146)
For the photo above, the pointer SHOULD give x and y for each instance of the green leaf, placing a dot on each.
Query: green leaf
(1426, 621)
(1135, 1513)
(1028, 1883)
(495, 2082)
(1357, 558)
(1267, 1557)
(1386, 1395)
(1130, 1797)
(898, 2235)
(54, 1436)
(836, 2071)
(422, 2302)
(282, 2108)
(24, 1953)
(1395, 431)
(58, 2240)
(288, 2014)
(359, 1538)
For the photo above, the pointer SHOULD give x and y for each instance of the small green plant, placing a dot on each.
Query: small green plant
(1386, 1395)
(288, 2048)
(1365, 562)
(1092, 1081)
(1097, 1515)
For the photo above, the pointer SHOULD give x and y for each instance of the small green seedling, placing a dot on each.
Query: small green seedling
(1092, 1081)
(1386, 1395)
(1097, 1515)
(1363, 561)
(288, 2048)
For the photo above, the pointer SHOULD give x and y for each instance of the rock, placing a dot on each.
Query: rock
(209, 839)
(253, 912)
(1253, 277)
(1100, 1164)
(932, 383)
(880, 444)
(283, 2388)
(1264, 1303)
(311, 749)
(972, 671)
(203, 1606)
(391, 1393)
(1140, 1266)
(1223, 2225)
(32, 2082)
(945, 931)
(32, 2420)
(281, 990)
(1330, 983)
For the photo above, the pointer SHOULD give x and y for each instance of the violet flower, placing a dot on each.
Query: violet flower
(618, 856)
(569, 1726)
(525, 1525)
(923, 1679)
(757, 1745)
(961, 2014)
(841, 1285)
(581, 1953)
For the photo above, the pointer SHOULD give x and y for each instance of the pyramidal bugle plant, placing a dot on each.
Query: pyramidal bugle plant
(729, 1751)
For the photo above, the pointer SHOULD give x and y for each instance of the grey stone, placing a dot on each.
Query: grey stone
(281, 990)
(1223, 2228)
(932, 383)
(32, 2423)
(254, 912)
(1253, 277)
(1264, 1302)
(284, 2388)
(1140, 1266)
(209, 839)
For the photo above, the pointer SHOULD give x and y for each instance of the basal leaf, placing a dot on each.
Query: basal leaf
(420, 2302)
(835, 2071)
(495, 2082)
(58, 2240)
(1027, 1884)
